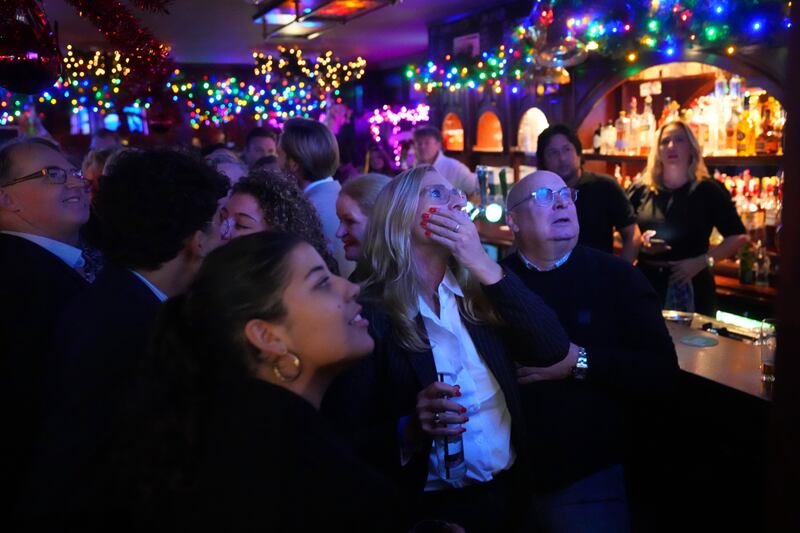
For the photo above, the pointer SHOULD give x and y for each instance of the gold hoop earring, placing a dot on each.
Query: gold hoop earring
(296, 363)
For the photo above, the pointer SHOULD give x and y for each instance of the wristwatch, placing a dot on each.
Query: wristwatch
(581, 368)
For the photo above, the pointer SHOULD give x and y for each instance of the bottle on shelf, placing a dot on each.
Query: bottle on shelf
(608, 138)
(597, 141)
(731, 128)
(632, 132)
(745, 132)
(647, 127)
(622, 126)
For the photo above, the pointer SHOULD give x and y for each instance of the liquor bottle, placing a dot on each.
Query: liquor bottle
(622, 126)
(730, 132)
(746, 264)
(632, 133)
(647, 127)
(762, 266)
(597, 139)
(735, 86)
(664, 112)
(608, 138)
(745, 133)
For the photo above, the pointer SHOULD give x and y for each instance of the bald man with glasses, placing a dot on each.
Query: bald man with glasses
(44, 201)
(576, 409)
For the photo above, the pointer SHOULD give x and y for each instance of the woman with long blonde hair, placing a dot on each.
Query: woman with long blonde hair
(677, 207)
(449, 322)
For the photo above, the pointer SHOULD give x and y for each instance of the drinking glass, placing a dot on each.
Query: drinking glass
(768, 342)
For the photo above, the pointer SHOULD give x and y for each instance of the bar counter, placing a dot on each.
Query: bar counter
(731, 363)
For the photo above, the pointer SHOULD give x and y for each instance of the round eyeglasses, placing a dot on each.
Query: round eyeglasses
(441, 194)
(544, 196)
(52, 175)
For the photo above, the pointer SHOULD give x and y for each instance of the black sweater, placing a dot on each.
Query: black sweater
(577, 427)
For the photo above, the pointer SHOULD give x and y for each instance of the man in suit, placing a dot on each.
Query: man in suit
(44, 201)
(576, 409)
(158, 217)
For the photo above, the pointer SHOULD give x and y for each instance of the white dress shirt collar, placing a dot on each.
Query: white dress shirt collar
(71, 255)
(316, 183)
(159, 294)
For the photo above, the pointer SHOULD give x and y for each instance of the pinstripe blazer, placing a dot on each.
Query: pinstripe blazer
(367, 402)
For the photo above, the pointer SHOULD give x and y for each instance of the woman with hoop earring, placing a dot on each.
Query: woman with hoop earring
(241, 363)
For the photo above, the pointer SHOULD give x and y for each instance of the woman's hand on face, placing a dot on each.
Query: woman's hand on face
(435, 410)
(684, 270)
(455, 231)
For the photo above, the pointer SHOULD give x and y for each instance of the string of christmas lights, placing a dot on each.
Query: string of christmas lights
(289, 86)
(619, 29)
(405, 117)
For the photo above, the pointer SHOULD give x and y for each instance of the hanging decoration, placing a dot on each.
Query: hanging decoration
(669, 27)
(559, 34)
(29, 57)
(148, 57)
(290, 86)
(401, 122)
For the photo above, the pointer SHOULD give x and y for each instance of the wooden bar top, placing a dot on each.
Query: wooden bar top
(732, 363)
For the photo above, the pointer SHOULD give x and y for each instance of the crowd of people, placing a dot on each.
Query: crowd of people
(242, 341)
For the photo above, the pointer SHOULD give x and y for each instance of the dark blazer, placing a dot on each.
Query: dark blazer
(99, 342)
(368, 401)
(35, 285)
(271, 463)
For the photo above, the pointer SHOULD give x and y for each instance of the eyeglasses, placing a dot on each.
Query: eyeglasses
(544, 197)
(441, 195)
(52, 175)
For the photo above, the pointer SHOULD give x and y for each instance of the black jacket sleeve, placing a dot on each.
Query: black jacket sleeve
(645, 361)
(534, 332)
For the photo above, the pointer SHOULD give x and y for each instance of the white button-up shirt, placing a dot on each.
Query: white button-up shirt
(456, 173)
(487, 441)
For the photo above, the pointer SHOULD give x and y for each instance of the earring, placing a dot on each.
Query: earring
(296, 363)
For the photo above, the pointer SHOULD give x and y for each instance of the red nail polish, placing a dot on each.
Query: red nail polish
(427, 233)
(423, 223)
(466, 419)
(463, 410)
(432, 209)
(426, 215)
(458, 393)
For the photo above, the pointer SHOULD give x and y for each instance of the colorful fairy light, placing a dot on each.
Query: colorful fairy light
(288, 86)
(405, 117)
(613, 28)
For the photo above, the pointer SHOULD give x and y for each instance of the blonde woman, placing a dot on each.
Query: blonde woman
(354, 208)
(677, 206)
(439, 307)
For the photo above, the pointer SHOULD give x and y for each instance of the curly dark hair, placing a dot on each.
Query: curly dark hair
(150, 202)
(286, 209)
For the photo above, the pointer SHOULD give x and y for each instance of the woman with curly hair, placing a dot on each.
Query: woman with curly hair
(271, 200)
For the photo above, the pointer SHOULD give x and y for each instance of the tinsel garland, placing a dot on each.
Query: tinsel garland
(149, 60)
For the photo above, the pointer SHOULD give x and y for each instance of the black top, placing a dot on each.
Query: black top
(686, 216)
(577, 427)
(602, 206)
(272, 464)
(35, 285)
(99, 341)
